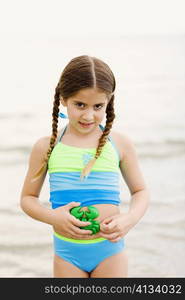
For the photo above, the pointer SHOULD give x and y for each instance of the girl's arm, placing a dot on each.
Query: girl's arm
(132, 174)
(31, 190)
(117, 226)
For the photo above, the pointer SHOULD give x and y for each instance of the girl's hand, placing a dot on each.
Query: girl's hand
(67, 225)
(115, 227)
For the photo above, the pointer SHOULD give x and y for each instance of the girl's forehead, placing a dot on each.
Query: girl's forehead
(89, 95)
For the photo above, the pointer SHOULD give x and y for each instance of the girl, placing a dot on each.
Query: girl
(84, 160)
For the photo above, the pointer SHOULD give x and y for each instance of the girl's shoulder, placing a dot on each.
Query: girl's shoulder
(43, 143)
(123, 143)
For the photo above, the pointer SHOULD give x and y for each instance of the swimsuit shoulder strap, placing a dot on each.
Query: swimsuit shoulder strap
(60, 135)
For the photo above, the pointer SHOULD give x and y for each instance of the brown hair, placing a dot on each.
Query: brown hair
(82, 72)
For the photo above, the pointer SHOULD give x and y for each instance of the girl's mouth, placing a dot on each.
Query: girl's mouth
(86, 125)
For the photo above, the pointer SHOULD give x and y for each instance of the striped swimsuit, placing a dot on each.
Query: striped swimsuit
(101, 187)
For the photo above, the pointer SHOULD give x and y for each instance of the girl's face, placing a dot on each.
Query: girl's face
(86, 109)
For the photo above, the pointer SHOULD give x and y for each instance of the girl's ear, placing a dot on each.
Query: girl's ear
(62, 101)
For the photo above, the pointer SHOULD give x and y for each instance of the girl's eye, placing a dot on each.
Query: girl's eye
(80, 105)
(98, 106)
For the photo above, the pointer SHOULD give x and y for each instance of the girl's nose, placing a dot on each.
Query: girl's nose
(88, 115)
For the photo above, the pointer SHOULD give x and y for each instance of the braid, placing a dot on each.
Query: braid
(53, 138)
(110, 115)
(56, 104)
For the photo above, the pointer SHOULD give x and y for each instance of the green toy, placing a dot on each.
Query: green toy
(87, 216)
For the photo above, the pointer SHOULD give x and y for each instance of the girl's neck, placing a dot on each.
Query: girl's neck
(85, 140)
(92, 135)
